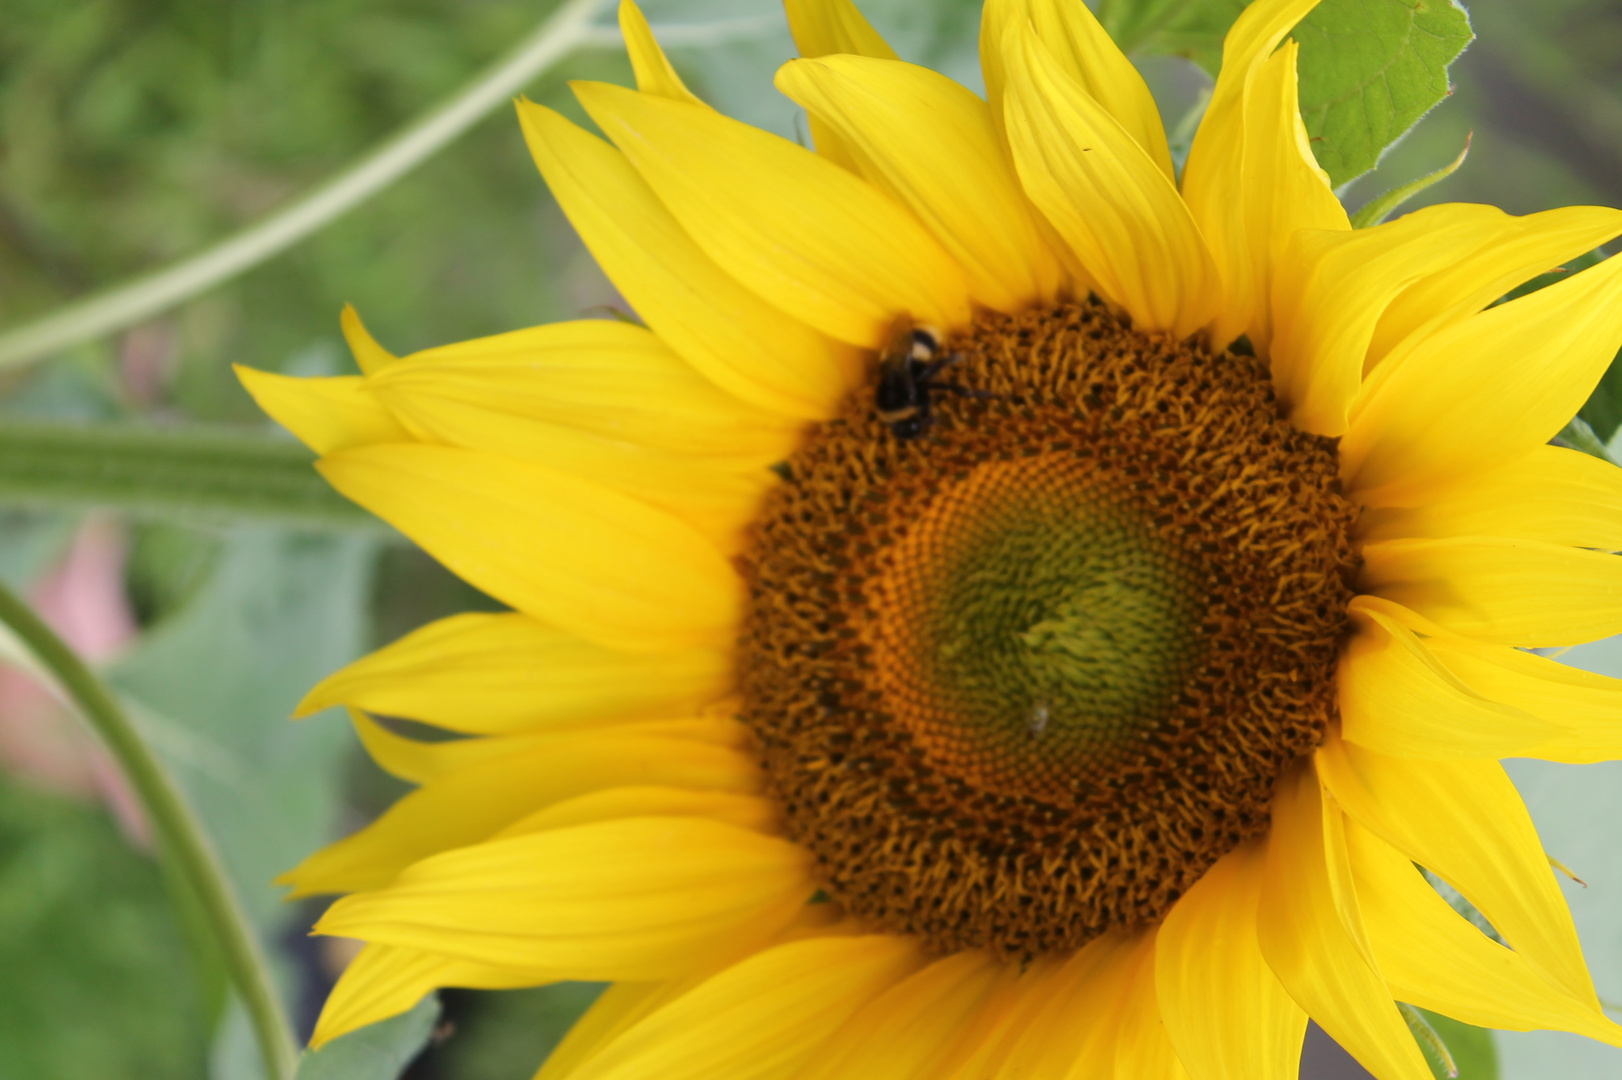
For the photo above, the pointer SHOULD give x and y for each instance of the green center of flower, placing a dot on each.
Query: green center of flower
(1033, 625)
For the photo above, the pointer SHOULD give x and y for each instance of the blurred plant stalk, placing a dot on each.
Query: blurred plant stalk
(188, 474)
(182, 844)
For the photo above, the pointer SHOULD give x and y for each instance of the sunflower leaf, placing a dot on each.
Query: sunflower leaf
(1383, 206)
(1370, 69)
(1471, 1049)
(1191, 28)
(380, 1051)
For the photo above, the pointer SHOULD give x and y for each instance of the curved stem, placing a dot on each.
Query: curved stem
(182, 841)
(125, 305)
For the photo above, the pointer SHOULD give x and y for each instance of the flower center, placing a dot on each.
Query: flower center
(1027, 676)
(1031, 626)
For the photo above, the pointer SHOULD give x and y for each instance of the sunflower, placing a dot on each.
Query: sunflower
(1002, 612)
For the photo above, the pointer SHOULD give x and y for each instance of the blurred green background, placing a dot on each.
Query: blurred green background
(133, 132)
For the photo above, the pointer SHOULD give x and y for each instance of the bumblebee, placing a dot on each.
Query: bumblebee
(908, 365)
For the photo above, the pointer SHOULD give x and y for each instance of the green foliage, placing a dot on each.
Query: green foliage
(1471, 1048)
(1369, 68)
(506, 1034)
(377, 1052)
(137, 131)
(215, 685)
(1191, 28)
(1603, 410)
(1383, 206)
(1437, 1054)
(95, 979)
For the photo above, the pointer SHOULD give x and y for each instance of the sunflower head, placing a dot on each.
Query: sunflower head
(1074, 694)
(1027, 678)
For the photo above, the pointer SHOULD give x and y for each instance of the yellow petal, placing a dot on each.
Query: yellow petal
(1531, 246)
(1583, 708)
(1077, 1017)
(1483, 391)
(1285, 190)
(825, 27)
(415, 760)
(384, 981)
(634, 899)
(1143, 1050)
(1225, 1011)
(569, 552)
(654, 75)
(619, 1006)
(1331, 289)
(420, 760)
(1214, 182)
(728, 334)
(603, 376)
(1398, 699)
(327, 415)
(1107, 198)
(804, 234)
(742, 811)
(718, 498)
(1581, 705)
(1553, 494)
(762, 1017)
(1083, 50)
(1434, 958)
(1514, 592)
(604, 401)
(489, 674)
(1464, 821)
(907, 1031)
(1304, 936)
(929, 143)
(369, 355)
(990, 1037)
(520, 776)
(822, 27)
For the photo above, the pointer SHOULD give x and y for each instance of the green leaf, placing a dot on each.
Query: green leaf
(501, 1034)
(196, 475)
(216, 683)
(1383, 206)
(1369, 70)
(1191, 28)
(1436, 1052)
(213, 686)
(380, 1051)
(1603, 410)
(1472, 1049)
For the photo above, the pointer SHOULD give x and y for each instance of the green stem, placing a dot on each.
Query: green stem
(128, 304)
(181, 840)
(216, 475)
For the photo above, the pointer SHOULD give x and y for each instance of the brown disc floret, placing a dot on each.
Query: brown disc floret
(1028, 676)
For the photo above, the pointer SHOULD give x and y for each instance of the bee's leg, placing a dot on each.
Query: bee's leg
(935, 367)
(963, 391)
